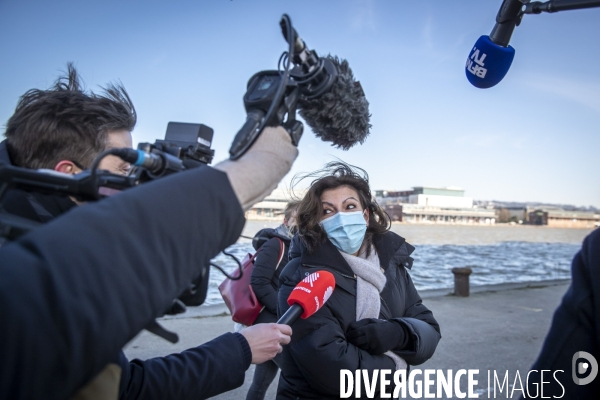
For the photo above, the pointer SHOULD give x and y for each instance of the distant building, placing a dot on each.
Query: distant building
(450, 197)
(512, 214)
(564, 219)
(401, 196)
(394, 211)
(433, 205)
(466, 216)
(271, 208)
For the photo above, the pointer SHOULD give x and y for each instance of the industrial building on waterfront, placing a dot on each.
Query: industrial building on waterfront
(447, 205)
(548, 215)
(563, 219)
(433, 205)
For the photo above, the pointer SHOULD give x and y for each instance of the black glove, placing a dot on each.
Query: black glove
(376, 335)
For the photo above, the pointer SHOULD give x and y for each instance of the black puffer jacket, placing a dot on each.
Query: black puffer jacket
(267, 267)
(319, 350)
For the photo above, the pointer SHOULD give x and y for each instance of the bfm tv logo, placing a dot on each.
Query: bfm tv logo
(475, 64)
(582, 367)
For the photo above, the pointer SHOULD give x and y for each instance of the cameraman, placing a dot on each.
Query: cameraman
(64, 129)
(75, 290)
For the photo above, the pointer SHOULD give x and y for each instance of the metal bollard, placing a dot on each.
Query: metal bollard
(461, 281)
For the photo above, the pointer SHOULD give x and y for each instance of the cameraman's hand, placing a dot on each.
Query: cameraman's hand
(266, 340)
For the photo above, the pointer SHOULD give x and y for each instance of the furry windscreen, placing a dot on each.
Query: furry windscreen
(341, 115)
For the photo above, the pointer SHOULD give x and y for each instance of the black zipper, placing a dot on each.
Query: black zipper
(386, 306)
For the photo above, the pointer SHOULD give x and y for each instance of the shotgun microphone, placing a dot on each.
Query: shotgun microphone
(341, 114)
(333, 102)
(322, 89)
(308, 296)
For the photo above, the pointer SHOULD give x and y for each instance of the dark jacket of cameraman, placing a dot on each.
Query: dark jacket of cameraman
(319, 349)
(39, 283)
(575, 328)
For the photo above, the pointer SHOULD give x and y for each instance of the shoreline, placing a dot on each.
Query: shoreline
(458, 234)
(276, 221)
(219, 310)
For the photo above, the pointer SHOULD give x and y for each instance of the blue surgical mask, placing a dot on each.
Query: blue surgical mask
(346, 230)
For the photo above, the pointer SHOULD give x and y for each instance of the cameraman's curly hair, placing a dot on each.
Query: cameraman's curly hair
(336, 174)
(66, 123)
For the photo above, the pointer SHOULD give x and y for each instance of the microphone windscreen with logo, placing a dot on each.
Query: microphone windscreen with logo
(341, 115)
(488, 63)
(312, 292)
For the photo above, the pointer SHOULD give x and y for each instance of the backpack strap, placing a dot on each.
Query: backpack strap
(253, 257)
(281, 250)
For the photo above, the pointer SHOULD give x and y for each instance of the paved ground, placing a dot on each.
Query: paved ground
(497, 328)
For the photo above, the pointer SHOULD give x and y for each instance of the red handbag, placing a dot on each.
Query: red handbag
(238, 294)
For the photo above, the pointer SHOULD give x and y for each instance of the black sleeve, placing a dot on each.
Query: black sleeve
(262, 275)
(419, 323)
(76, 290)
(575, 329)
(194, 374)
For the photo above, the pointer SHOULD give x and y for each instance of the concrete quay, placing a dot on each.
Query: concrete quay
(498, 328)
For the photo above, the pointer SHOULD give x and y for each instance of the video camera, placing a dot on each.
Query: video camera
(185, 146)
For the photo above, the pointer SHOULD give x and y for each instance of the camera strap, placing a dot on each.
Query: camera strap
(159, 330)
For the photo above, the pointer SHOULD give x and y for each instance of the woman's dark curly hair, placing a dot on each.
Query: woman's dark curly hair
(336, 174)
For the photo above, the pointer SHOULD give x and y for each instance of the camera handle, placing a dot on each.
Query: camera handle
(269, 97)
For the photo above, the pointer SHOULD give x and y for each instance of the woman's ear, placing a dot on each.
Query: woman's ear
(366, 215)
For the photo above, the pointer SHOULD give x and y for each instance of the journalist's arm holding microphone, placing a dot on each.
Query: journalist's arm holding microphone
(76, 290)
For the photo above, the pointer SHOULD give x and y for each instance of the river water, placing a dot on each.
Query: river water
(496, 254)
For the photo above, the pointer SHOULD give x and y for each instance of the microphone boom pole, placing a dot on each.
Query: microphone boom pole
(537, 7)
(509, 16)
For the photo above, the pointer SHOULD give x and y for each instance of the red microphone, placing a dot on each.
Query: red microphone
(308, 296)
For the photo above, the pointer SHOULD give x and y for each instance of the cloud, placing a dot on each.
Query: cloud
(584, 92)
(478, 140)
(491, 140)
(432, 43)
(520, 142)
(156, 60)
(427, 33)
(364, 15)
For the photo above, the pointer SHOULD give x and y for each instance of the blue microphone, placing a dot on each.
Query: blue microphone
(491, 56)
(488, 63)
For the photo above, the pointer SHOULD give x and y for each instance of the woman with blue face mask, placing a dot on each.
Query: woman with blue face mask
(375, 318)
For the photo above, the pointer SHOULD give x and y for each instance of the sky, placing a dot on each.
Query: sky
(535, 137)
